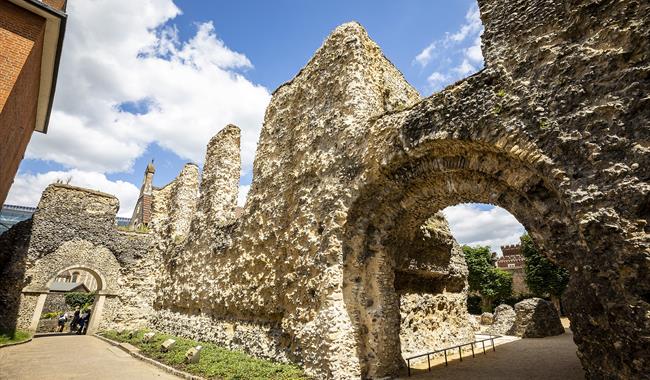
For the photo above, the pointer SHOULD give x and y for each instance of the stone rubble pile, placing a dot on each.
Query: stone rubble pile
(537, 318)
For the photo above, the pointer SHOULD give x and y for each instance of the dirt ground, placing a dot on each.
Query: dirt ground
(514, 358)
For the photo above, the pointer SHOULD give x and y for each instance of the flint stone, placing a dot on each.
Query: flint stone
(504, 320)
(474, 323)
(537, 318)
(487, 318)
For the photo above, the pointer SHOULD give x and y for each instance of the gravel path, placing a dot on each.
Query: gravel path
(532, 359)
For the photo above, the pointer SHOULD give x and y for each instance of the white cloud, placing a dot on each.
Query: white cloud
(126, 80)
(243, 193)
(455, 57)
(123, 52)
(27, 188)
(472, 26)
(437, 80)
(425, 55)
(474, 53)
(472, 225)
(464, 69)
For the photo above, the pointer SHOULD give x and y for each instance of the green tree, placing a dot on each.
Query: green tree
(544, 279)
(484, 278)
(82, 300)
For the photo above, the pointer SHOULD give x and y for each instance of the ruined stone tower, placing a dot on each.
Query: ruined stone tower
(142, 212)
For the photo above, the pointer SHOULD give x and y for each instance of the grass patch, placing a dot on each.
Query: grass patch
(215, 363)
(14, 337)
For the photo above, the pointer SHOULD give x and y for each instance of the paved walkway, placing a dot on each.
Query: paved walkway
(73, 357)
(532, 359)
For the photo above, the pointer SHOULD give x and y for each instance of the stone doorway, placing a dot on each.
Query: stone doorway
(67, 280)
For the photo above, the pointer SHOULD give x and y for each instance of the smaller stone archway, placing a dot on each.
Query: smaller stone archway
(98, 304)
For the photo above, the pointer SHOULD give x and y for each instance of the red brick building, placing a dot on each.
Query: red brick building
(142, 212)
(513, 261)
(31, 38)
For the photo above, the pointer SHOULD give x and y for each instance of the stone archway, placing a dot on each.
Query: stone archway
(98, 303)
(75, 254)
(385, 220)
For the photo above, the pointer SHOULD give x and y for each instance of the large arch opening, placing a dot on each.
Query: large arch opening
(388, 250)
(73, 302)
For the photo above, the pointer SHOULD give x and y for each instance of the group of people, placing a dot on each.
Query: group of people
(79, 322)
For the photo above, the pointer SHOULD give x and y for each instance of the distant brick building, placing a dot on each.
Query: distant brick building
(513, 261)
(31, 37)
(142, 212)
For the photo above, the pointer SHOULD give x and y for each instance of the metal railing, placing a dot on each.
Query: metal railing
(460, 351)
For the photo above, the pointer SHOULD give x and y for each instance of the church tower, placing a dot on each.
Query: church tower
(142, 212)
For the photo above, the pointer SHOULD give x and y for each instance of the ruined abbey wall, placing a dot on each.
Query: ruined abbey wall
(351, 165)
(341, 253)
(277, 273)
(74, 228)
(432, 316)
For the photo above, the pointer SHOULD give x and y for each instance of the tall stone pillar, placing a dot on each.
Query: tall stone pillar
(220, 182)
(184, 197)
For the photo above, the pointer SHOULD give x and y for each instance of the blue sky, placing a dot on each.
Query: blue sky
(154, 79)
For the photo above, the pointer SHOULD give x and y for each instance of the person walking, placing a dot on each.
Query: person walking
(75, 321)
(81, 323)
(63, 318)
(86, 322)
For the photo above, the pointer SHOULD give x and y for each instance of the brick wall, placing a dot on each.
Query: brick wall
(21, 45)
(56, 4)
(146, 208)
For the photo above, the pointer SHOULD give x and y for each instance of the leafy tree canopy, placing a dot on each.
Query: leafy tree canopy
(490, 282)
(81, 300)
(542, 276)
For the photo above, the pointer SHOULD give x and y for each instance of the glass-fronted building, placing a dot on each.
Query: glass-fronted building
(12, 214)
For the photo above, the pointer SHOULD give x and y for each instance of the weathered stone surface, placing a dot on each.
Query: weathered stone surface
(352, 168)
(266, 341)
(537, 318)
(280, 265)
(74, 228)
(474, 323)
(55, 302)
(351, 165)
(504, 321)
(487, 318)
(433, 321)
